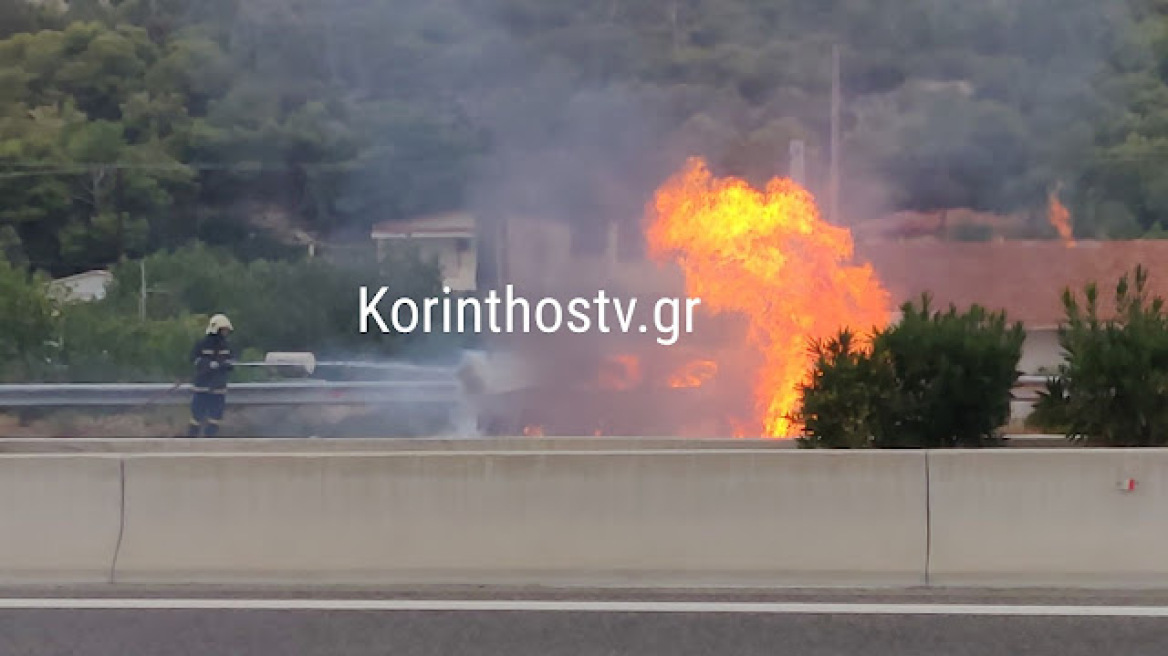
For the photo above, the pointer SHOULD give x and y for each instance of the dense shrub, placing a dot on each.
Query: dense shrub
(935, 379)
(1112, 389)
(26, 323)
(310, 305)
(298, 305)
(850, 389)
(96, 345)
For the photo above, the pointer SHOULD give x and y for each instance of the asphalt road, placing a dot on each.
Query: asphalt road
(435, 623)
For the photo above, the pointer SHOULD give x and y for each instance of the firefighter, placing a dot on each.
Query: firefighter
(213, 362)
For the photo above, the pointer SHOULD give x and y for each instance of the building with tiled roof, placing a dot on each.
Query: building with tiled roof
(1024, 278)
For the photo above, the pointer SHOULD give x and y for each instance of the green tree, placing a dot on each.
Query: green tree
(1113, 386)
(27, 319)
(306, 305)
(96, 345)
(17, 17)
(300, 305)
(245, 122)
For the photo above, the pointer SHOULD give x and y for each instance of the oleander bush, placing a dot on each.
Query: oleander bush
(933, 380)
(1112, 389)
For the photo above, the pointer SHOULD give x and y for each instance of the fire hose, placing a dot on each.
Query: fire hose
(289, 363)
(296, 360)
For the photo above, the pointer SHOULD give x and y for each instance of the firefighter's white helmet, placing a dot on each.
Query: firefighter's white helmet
(217, 323)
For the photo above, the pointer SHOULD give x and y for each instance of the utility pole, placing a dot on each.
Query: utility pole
(142, 291)
(833, 183)
(118, 204)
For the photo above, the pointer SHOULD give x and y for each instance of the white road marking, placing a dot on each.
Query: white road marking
(768, 608)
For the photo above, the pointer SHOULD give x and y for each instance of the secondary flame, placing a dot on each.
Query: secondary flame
(769, 256)
(620, 372)
(694, 374)
(1060, 218)
(533, 431)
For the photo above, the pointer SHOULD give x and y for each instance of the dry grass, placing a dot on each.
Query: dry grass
(172, 421)
(96, 423)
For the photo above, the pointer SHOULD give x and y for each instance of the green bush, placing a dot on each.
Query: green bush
(297, 305)
(1112, 389)
(849, 389)
(27, 316)
(97, 345)
(935, 379)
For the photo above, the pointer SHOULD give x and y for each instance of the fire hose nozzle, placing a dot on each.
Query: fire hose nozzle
(302, 360)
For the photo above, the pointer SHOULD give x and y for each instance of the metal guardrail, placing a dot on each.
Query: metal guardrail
(283, 393)
(306, 392)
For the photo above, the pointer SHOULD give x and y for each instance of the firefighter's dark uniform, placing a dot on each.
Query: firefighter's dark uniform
(213, 365)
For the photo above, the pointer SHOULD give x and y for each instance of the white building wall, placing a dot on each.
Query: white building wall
(1041, 352)
(89, 286)
(455, 256)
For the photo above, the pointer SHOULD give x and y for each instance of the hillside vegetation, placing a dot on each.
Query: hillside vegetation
(135, 125)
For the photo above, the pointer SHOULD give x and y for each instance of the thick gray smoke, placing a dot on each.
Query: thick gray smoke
(945, 104)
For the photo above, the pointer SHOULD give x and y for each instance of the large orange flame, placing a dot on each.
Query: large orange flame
(769, 256)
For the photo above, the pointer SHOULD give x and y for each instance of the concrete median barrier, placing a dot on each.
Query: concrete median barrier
(59, 518)
(1046, 517)
(675, 517)
(375, 444)
(667, 516)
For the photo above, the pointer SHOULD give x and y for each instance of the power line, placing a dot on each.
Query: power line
(58, 168)
(172, 164)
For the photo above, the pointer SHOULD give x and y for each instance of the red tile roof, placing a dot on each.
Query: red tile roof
(1024, 278)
